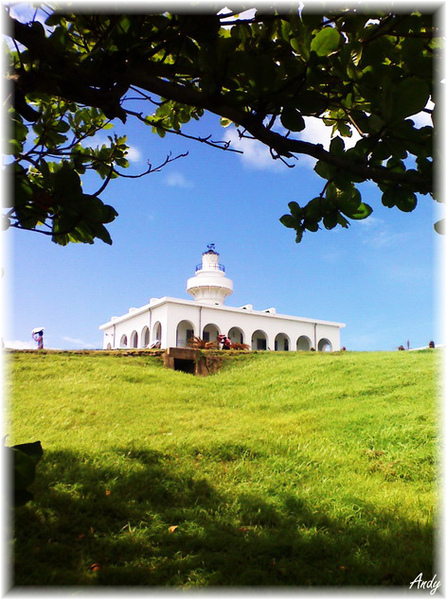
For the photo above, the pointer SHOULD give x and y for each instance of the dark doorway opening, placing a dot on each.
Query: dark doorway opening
(262, 344)
(185, 365)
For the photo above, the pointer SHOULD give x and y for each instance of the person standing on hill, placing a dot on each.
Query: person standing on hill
(38, 337)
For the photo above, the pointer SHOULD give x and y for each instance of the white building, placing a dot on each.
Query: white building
(172, 321)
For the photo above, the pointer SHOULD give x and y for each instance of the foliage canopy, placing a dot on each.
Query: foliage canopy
(359, 72)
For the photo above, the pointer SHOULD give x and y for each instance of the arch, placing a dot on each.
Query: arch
(145, 337)
(324, 345)
(156, 333)
(134, 339)
(185, 330)
(210, 332)
(259, 340)
(109, 346)
(123, 341)
(282, 342)
(303, 343)
(236, 335)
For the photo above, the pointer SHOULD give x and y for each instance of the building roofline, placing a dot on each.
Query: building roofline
(259, 313)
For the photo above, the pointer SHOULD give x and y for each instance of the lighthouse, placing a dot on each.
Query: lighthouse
(210, 285)
(169, 323)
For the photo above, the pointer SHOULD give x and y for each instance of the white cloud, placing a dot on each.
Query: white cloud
(422, 119)
(317, 132)
(255, 154)
(370, 222)
(176, 179)
(26, 13)
(378, 234)
(19, 345)
(386, 238)
(133, 154)
(246, 14)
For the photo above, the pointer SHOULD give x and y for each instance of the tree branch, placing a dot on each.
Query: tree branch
(158, 123)
(283, 146)
(152, 169)
(76, 83)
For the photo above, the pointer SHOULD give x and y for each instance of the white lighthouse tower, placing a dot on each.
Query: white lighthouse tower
(209, 285)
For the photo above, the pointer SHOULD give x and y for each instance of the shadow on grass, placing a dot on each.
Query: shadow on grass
(146, 520)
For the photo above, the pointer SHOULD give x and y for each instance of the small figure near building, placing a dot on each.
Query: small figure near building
(37, 334)
(223, 342)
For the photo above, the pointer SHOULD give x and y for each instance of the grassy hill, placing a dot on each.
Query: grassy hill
(284, 469)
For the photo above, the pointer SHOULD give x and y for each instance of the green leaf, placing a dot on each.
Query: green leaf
(409, 97)
(101, 232)
(363, 211)
(330, 221)
(342, 221)
(325, 42)
(324, 170)
(299, 235)
(289, 221)
(291, 119)
(23, 191)
(343, 128)
(65, 222)
(63, 127)
(159, 131)
(82, 234)
(54, 19)
(20, 130)
(311, 102)
(311, 225)
(349, 201)
(395, 164)
(314, 210)
(109, 214)
(333, 194)
(67, 184)
(389, 198)
(337, 146)
(295, 209)
(124, 24)
(14, 147)
(406, 200)
(382, 151)
(356, 52)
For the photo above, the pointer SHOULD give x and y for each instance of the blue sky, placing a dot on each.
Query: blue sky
(380, 277)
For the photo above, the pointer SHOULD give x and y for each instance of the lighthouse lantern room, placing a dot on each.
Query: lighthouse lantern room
(210, 285)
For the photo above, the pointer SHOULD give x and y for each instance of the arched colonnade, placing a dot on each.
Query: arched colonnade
(256, 340)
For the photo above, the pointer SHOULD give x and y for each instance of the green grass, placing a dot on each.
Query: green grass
(284, 469)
